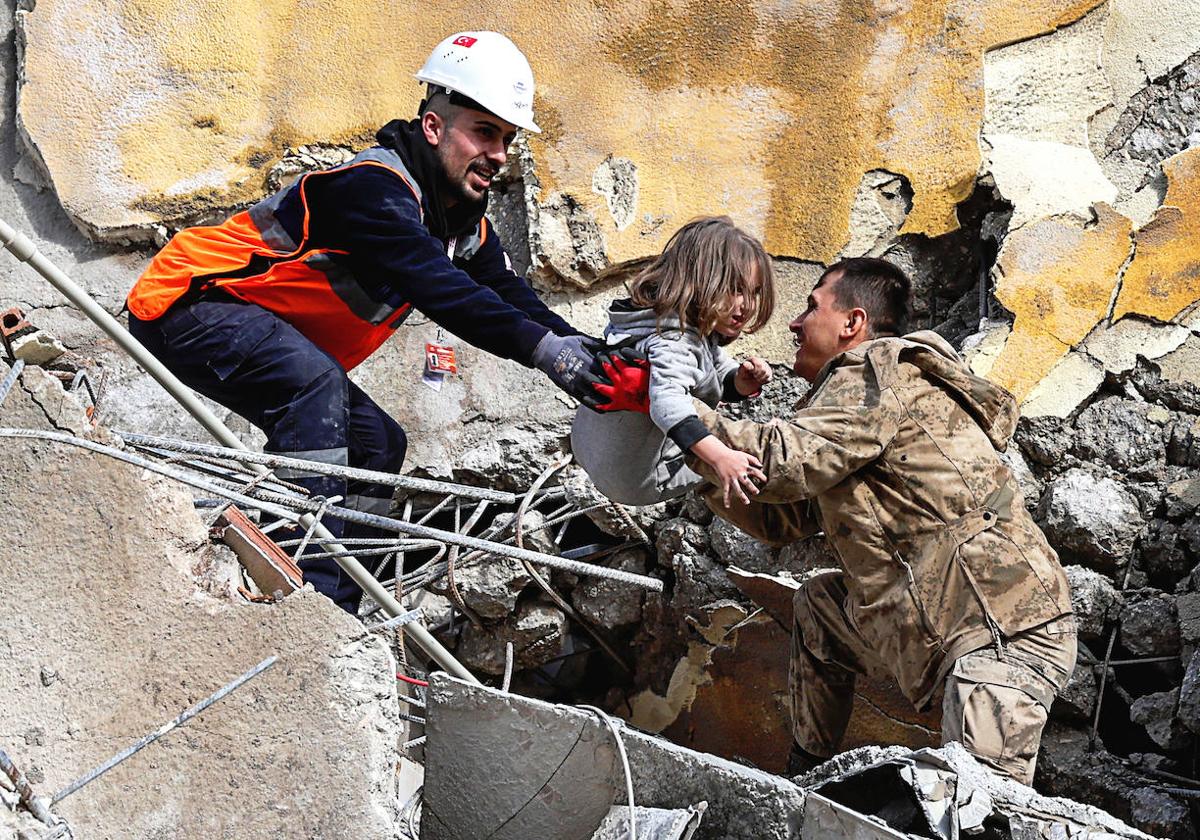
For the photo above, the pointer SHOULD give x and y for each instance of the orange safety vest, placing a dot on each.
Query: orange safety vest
(303, 285)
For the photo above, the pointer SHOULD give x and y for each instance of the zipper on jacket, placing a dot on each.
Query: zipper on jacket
(912, 589)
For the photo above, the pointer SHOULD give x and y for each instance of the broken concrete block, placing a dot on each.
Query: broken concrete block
(942, 793)
(1150, 626)
(538, 633)
(609, 603)
(652, 823)
(1094, 599)
(1124, 435)
(1189, 695)
(102, 596)
(1156, 712)
(489, 586)
(36, 348)
(628, 521)
(1092, 519)
(734, 547)
(549, 766)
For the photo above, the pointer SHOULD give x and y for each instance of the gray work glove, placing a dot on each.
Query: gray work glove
(570, 362)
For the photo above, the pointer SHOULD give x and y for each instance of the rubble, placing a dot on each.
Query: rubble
(553, 772)
(608, 604)
(1157, 713)
(1093, 520)
(1124, 435)
(537, 631)
(108, 636)
(1150, 625)
(1093, 598)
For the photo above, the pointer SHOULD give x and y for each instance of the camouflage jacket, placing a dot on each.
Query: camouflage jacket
(893, 454)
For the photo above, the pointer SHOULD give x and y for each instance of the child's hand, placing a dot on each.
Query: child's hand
(736, 470)
(752, 376)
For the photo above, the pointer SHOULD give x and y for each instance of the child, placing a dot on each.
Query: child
(712, 282)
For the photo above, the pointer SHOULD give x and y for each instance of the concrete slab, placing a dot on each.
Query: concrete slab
(517, 735)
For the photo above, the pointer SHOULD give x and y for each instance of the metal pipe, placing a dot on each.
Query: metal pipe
(147, 740)
(24, 250)
(420, 485)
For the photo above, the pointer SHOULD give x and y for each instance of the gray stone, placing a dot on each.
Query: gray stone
(1094, 599)
(1156, 712)
(1158, 120)
(1122, 435)
(489, 586)
(1044, 440)
(1187, 607)
(1090, 519)
(808, 555)
(1162, 555)
(1182, 498)
(734, 547)
(1067, 767)
(1031, 486)
(1183, 448)
(465, 797)
(630, 522)
(1157, 812)
(1076, 702)
(612, 604)
(1172, 380)
(679, 535)
(538, 633)
(1150, 626)
(1189, 695)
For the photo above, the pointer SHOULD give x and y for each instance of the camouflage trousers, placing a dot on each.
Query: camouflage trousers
(996, 705)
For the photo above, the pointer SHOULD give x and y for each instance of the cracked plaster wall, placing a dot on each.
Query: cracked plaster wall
(136, 117)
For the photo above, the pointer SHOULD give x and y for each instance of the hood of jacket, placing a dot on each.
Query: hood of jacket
(992, 407)
(625, 320)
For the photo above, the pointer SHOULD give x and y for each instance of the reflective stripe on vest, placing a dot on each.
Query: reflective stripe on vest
(252, 257)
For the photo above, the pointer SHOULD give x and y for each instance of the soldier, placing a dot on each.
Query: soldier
(946, 582)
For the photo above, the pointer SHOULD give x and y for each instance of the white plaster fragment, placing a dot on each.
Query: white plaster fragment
(1046, 179)
(1119, 346)
(981, 350)
(616, 181)
(1068, 384)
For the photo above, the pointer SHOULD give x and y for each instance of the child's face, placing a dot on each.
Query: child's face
(738, 313)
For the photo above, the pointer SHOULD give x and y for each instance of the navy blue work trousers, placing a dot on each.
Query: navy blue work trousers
(259, 366)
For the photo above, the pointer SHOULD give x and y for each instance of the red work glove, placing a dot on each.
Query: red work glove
(628, 374)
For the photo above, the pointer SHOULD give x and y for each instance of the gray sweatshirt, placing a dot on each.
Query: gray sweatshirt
(636, 459)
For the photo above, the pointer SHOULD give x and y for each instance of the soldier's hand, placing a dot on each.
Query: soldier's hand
(736, 471)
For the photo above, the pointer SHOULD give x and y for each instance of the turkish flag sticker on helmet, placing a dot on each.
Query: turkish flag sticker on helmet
(464, 41)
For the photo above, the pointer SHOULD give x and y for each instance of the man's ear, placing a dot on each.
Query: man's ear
(434, 127)
(855, 325)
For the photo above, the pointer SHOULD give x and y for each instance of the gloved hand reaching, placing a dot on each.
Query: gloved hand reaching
(628, 374)
(570, 362)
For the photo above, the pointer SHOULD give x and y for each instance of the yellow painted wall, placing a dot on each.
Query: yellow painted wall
(770, 112)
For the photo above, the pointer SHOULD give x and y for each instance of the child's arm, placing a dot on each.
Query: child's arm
(735, 469)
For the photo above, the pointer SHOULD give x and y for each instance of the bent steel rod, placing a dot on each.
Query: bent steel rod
(383, 523)
(421, 485)
(21, 247)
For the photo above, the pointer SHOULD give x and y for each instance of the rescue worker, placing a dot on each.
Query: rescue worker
(946, 582)
(266, 313)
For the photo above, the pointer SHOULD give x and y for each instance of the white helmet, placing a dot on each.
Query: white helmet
(488, 68)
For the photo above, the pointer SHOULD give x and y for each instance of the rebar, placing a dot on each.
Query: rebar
(36, 805)
(11, 378)
(403, 618)
(22, 247)
(419, 485)
(382, 523)
(146, 740)
(612, 727)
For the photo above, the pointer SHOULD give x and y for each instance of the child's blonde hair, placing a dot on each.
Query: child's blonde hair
(707, 262)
